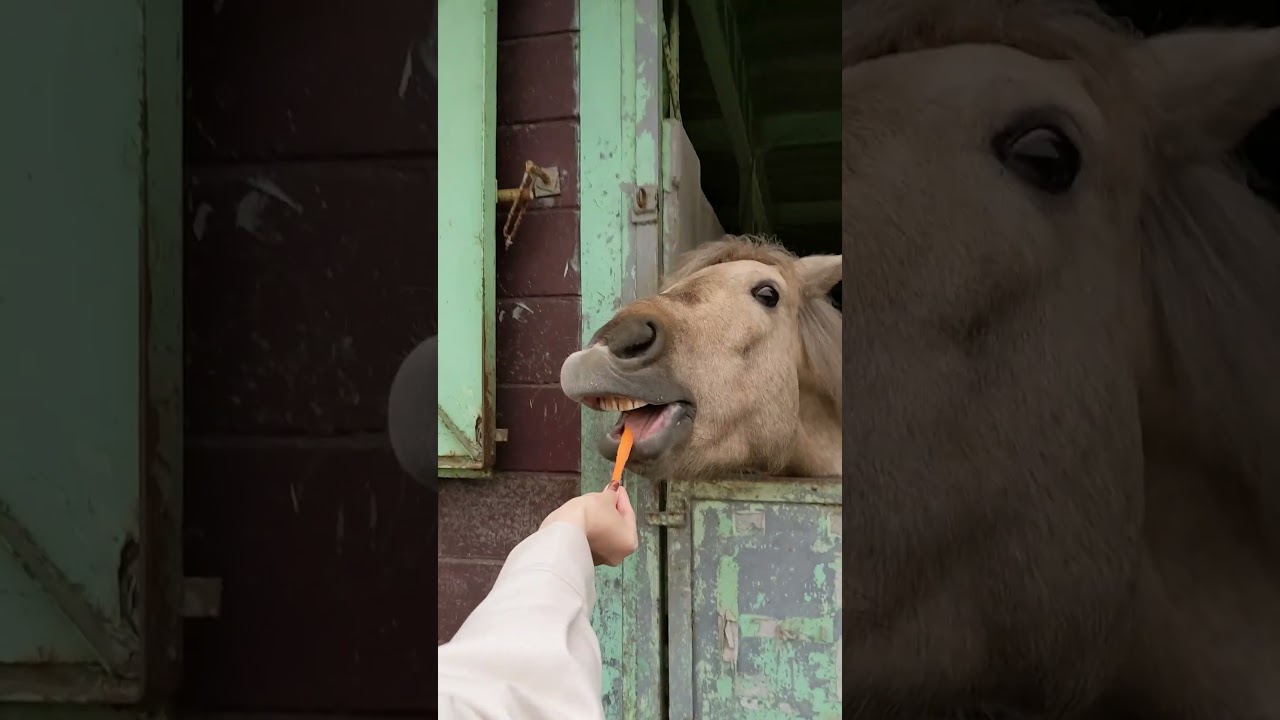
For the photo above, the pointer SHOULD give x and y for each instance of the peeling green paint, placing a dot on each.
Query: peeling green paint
(614, 102)
(466, 421)
(769, 552)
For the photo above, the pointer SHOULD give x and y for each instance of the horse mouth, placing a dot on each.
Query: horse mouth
(656, 428)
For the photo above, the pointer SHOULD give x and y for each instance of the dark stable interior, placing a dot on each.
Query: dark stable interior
(1260, 152)
(789, 48)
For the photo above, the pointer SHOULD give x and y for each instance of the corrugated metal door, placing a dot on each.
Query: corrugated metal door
(90, 374)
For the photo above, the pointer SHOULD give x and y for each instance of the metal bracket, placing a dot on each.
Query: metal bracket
(644, 205)
(674, 516)
(537, 183)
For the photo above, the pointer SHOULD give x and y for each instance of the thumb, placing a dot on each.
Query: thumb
(624, 504)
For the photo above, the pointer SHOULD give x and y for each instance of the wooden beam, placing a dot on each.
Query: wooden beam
(774, 132)
(793, 214)
(717, 28)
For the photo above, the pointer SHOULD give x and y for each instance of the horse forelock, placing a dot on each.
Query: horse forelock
(819, 321)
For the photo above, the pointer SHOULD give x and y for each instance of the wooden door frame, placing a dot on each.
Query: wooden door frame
(620, 98)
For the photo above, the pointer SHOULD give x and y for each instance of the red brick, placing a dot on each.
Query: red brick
(485, 519)
(543, 258)
(327, 555)
(544, 429)
(297, 321)
(535, 335)
(536, 17)
(546, 144)
(537, 79)
(463, 584)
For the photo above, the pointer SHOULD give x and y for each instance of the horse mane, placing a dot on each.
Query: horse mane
(820, 322)
(1210, 244)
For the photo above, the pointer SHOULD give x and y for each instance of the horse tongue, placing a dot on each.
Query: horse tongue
(643, 421)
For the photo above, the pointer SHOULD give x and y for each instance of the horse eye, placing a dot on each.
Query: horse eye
(1042, 156)
(765, 294)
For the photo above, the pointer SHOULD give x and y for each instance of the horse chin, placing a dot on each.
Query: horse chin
(659, 431)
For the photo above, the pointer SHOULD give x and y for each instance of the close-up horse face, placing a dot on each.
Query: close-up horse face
(984, 187)
(1045, 251)
(709, 374)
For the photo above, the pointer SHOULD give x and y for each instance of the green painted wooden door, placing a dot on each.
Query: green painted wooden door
(754, 601)
(90, 325)
(467, 198)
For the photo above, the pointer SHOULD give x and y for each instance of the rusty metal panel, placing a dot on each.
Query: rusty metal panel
(755, 601)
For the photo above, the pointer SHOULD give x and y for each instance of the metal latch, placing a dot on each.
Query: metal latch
(674, 516)
(538, 182)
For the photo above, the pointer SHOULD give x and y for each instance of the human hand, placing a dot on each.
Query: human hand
(608, 521)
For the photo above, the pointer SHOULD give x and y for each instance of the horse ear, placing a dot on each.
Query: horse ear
(1208, 88)
(819, 273)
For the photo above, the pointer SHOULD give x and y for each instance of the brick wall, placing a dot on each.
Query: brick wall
(538, 314)
(311, 155)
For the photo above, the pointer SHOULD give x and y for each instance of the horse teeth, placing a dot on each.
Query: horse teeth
(615, 403)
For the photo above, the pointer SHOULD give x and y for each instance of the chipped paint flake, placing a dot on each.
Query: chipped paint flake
(271, 189)
(520, 311)
(406, 74)
(249, 212)
(781, 658)
(201, 221)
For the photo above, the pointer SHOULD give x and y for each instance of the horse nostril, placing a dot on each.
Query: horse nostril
(638, 340)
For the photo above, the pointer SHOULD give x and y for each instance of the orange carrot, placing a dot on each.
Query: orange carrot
(624, 449)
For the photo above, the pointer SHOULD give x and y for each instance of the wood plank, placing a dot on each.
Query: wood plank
(716, 25)
(775, 131)
(793, 214)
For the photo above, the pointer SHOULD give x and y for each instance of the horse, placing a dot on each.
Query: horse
(733, 367)
(1061, 346)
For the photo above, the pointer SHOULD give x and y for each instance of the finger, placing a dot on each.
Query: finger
(624, 504)
(608, 496)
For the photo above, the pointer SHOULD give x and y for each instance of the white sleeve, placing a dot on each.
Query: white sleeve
(528, 652)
